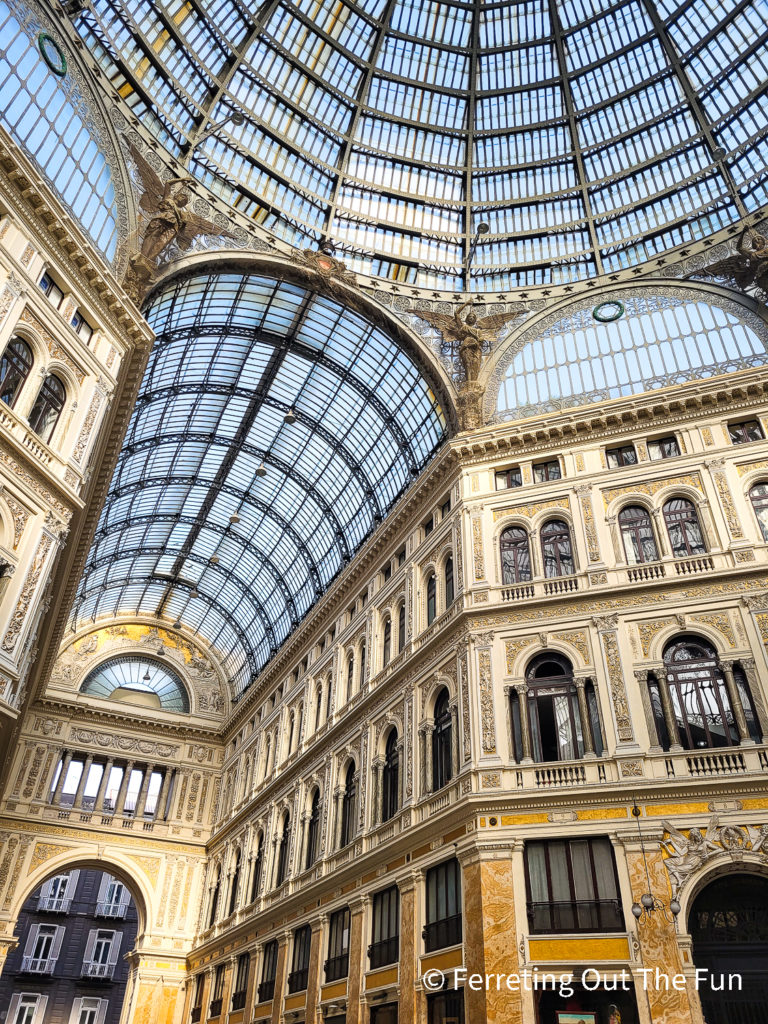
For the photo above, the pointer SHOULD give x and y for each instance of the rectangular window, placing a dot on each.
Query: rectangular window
(625, 455)
(82, 327)
(42, 948)
(445, 508)
(197, 1002)
(217, 992)
(240, 984)
(429, 526)
(663, 448)
(387, 572)
(113, 898)
(572, 886)
(299, 976)
(51, 290)
(385, 935)
(88, 1010)
(512, 477)
(543, 471)
(401, 557)
(748, 430)
(446, 1008)
(27, 1008)
(443, 926)
(337, 964)
(268, 972)
(58, 892)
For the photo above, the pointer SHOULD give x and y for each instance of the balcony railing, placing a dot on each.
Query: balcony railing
(576, 916)
(111, 909)
(297, 980)
(54, 904)
(387, 951)
(96, 969)
(38, 964)
(337, 967)
(214, 1010)
(439, 934)
(266, 991)
(238, 1000)
(195, 1014)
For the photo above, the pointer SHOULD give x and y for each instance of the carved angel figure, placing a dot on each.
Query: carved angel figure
(686, 853)
(469, 334)
(166, 201)
(749, 265)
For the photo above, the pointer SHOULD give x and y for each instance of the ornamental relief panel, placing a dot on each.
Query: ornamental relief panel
(652, 487)
(19, 515)
(531, 509)
(29, 586)
(190, 660)
(686, 852)
(488, 727)
(749, 467)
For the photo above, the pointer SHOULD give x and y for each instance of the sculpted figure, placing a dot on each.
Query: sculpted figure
(749, 266)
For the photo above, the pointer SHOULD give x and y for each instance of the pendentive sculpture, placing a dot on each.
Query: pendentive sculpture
(170, 221)
(468, 337)
(749, 266)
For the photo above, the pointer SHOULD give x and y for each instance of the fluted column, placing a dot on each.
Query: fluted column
(738, 708)
(338, 796)
(77, 803)
(525, 724)
(123, 791)
(455, 762)
(56, 798)
(98, 803)
(669, 712)
(586, 728)
(141, 800)
(377, 810)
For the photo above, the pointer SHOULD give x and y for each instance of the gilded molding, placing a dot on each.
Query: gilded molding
(514, 647)
(531, 509)
(648, 632)
(720, 621)
(652, 487)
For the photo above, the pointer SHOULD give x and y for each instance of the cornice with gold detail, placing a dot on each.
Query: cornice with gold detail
(140, 843)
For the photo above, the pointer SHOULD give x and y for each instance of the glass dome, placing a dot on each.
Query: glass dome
(585, 136)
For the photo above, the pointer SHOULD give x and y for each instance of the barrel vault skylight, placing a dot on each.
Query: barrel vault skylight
(588, 135)
(274, 429)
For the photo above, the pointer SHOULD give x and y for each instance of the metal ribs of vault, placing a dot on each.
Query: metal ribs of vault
(271, 370)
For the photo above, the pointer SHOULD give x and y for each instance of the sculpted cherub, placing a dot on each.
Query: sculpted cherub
(749, 265)
(170, 220)
(469, 334)
(686, 853)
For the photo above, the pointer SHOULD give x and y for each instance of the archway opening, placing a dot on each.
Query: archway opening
(69, 966)
(729, 929)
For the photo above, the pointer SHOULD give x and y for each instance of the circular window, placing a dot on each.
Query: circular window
(52, 54)
(137, 680)
(607, 312)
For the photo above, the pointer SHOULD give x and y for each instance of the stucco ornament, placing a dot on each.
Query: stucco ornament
(687, 853)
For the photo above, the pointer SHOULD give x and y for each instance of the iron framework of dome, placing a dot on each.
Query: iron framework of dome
(273, 430)
(589, 136)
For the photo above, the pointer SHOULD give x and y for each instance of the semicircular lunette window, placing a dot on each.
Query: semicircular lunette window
(658, 341)
(137, 680)
(274, 430)
(45, 112)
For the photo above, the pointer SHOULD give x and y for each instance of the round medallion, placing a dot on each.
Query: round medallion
(607, 312)
(52, 54)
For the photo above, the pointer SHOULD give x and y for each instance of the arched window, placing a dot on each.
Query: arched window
(313, 826)
(555, 728)
(350, 674)
(442, 738)
(515, 555)
(362, 665)
(431, 599)
(329, 702)
(556, 549)
(47, 408)
(386, 652)
(449, 588)
(235, 885)
(267, 751)
(318, 705)
(758, 495)
(401, 628)
(282, 853)
(348, 805)
(214, 906)
(258, 862)
(683, 528)
(390, 779)
(14, 369)
(637, 535)
(701, 702)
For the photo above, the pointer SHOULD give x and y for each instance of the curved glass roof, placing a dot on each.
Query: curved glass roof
(589, 135)
(273, 430)
(117, 677)
(618, 348)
